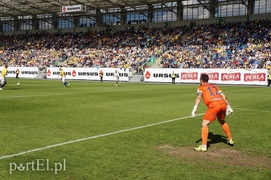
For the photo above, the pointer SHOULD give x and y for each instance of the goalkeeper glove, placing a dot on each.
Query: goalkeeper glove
(193, 113)
(229, 110)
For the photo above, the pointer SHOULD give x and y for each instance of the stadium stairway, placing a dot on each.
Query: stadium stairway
(136, 78)
(40, 75)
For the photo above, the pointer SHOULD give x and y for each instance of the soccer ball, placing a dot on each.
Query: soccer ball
(18, 84)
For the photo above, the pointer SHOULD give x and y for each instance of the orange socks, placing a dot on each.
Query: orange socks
(204, 135)
(226, 129)
(205, 131)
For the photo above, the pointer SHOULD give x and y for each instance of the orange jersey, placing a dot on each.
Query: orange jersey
(210, 94)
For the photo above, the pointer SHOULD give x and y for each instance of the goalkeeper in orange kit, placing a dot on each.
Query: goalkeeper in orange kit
(218, 107)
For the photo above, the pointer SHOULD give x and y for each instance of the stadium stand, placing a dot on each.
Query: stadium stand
(229, 45)
(136, 34)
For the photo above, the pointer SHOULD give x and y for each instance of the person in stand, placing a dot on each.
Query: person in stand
(218, 107)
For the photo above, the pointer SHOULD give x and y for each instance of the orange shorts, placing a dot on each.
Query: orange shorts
(214, 112)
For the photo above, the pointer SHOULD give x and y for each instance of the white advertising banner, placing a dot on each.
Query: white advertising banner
(88, 73)
(25, 72)
(72, 8)
(218, 76)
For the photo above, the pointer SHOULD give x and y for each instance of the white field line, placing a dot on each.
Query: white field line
(93, 137)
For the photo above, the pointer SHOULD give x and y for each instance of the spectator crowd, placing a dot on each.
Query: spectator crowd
(229, 45)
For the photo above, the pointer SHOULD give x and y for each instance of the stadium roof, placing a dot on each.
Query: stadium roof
(32, 7)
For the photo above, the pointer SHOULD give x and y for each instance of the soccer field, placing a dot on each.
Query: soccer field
(94, 130)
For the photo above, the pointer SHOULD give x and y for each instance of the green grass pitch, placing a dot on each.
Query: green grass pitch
(94, 130)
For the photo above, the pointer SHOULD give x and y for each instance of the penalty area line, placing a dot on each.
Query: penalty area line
(93, 137)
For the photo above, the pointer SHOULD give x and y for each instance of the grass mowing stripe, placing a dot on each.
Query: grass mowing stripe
(257, 110)
(94, 137)
(59, 94)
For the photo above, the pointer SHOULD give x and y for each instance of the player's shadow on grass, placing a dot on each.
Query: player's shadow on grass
(215, 138)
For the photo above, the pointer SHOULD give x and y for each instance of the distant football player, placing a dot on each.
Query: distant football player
(116, 76)
(101, 74)
(218, 107)
(269, 76)
(17, 73)
(3, 80)
(173, 77)
(63, 77)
